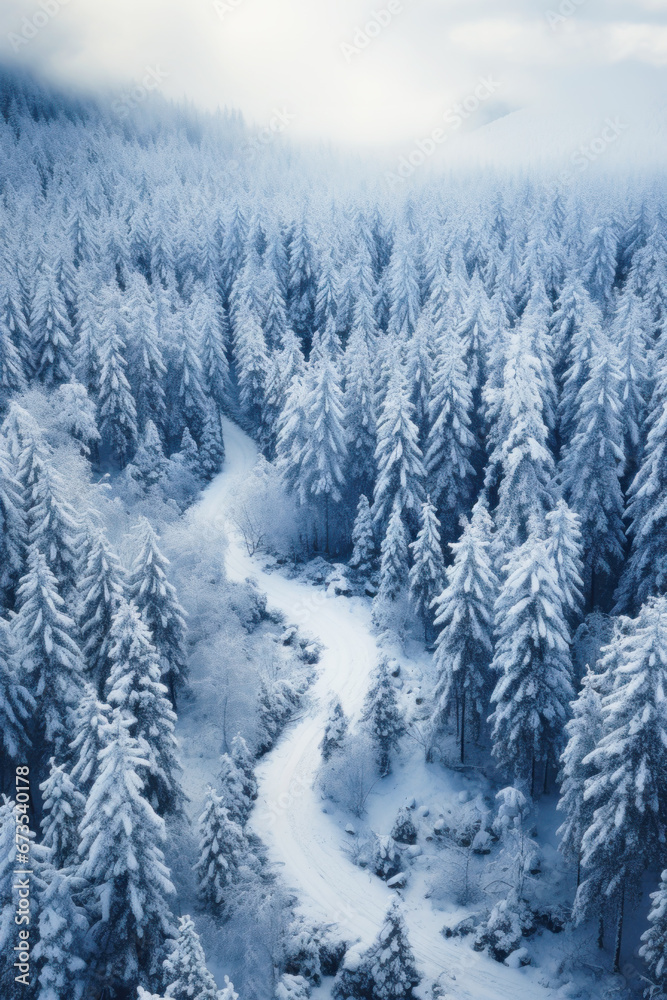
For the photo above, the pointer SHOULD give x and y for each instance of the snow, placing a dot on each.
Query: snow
(305, 841)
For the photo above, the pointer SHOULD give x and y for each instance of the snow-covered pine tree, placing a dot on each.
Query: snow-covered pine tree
(526, 463)
(583, 732)
(386, 971)
(654, 947)
(16, 702)
(12, 377)
(419, 371)
(146, 370)
(400, 469)
(101, 590)
(451, 443)
(212, 324)
(128, 883)
(245, 762)
(427, 574)
(192, 402)
(233, 790)
(50, 657)
(212, 450)
(134, 690)
(360, 415)
(383, 717)
(156, 599)
(184, 968)
(565, 548)
(532, 659)
(91, 735)
(592, 467)
(51, 330)
(585, 329)
(393, 557)
(64, 806)
(324, 455)
(250, 366)
(627, 797)
(189, 452)
(222, 850)
(630, 332)
(149, 458)
(62, 927)
(464, 615)
(364, 552)
(335, 731)
(402, 278)
(117, 407)
(13, 528)
(645, 572)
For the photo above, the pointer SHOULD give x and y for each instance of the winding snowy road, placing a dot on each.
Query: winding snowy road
(288, 815)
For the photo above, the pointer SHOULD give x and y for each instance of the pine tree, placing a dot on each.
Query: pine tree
(149, 458)
(383, 717)
(222, 850)
(627, 796)
(50, 658)
(212, 451)
(419, 371)
(101, 590)
(565, 548)
(156, 599)
(134, 690)
(364, 553)
(464, 614)
(91, 734)
(245, 762)
(212, 325)
(532, 659)
(12, 377)
(400, 470)
(393, 557)
(335, 731)
(583, 731)
(51, 331)
(118, 412)
(146, 368)
(128, 882)
(645, 572)
(585, 335)
(63, 807)
(360, 415)
(654, 948)
(386, 971)
(526, 463)
(16, 702)
(451, 443)
(427, 575)
(323, 458)
(53, 525)
(62, 926)
(250, 365)
(592, 469)
(630, 332)
(192, 402)
(13, 530)
(185, 971)
(232, 782)
(402, 280)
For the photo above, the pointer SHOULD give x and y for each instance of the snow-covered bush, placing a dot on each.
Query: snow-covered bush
(386, 860)
(350, 773)
(404, 830)
(292, 988)
(504, 928)
(263, 512)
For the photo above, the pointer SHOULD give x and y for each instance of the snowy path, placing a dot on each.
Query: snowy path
(288, 815)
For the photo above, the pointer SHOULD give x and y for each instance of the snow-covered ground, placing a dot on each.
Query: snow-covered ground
(308, 843)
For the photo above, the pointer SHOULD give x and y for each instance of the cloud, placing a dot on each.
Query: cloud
(388, 87)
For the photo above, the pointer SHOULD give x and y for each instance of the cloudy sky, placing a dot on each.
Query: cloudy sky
(345, 77)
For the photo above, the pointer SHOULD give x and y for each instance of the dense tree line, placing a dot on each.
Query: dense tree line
(465, 392)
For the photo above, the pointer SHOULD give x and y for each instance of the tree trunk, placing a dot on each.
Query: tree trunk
(463, 726)
(532, 777)
(601, 932)
(546, 777)
(619, 932)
